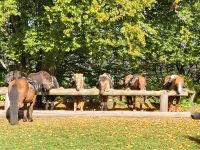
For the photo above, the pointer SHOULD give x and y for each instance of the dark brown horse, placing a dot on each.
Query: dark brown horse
(105, 83)
(46, 82)
(21, 92)
(43, 78)
(79, 84)
(176, 83)
(134, 82)
(50, 98)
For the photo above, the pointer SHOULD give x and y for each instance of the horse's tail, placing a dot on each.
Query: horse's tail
(13, 97)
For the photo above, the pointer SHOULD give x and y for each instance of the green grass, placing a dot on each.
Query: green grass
(100, 133)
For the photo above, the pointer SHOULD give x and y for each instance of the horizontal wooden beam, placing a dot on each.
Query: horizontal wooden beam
(3, 90)
(112, 92)
(136, 114)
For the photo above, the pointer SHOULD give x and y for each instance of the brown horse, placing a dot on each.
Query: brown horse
(21, 92)
(46, 82)
(174, 82)
(134, 82)
(50, 98)
(79, 84)
(43, 78)
(105, 83)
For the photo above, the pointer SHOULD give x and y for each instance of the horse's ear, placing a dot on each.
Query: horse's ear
(112, 78)
(84, 78)
(73, 76)
(97, 84)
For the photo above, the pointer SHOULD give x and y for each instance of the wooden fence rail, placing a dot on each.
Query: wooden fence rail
(115, 92)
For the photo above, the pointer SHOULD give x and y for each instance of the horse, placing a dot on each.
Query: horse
(176, 83)
(79, 84)
(134, 82)
(105, 83)
(46, 82)
(10, 76)
(21, 92)
(43, 78)
(50, 98)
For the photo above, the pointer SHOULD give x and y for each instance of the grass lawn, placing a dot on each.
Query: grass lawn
(98, 133)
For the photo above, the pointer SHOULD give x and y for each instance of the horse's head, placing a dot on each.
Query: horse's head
(136, 82)
(166, 80)
(78, 81)
(42, 78)
(174, 82)
(142, 82)
(55, 82)
(46, 85)
(127, 80)
(105, 83)
(179, 84)
(13, 75)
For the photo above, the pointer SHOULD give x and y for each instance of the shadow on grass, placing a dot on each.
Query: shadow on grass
(194, 138)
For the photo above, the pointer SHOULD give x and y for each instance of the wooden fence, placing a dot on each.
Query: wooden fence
(163, 94)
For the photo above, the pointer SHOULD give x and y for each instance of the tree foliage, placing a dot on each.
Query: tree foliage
(94, 36)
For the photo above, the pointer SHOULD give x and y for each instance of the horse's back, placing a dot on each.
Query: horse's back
(36, 77)
(142, 82)
(46, 75)
(21, 84)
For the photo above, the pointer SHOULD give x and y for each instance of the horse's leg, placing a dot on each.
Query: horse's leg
(170, 104)
(30, 111)
(106, 105)
(75, 103)
(47, 105)
(133, 102)
(177, 103)
(52, 105)
(81, 103)
(47, 102)
(129, 101)
(141, 102)
(25, 112)
(102, 105)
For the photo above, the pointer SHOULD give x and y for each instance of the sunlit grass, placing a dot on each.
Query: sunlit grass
(101, 133)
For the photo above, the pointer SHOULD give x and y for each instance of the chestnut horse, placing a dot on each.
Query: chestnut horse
(79, 84)
(176, 83)
(21, 92)
(105, 83)
(134, 82)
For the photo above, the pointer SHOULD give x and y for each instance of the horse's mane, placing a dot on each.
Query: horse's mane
(55, 82)
(105, 77)
(13, 75)
(136, 78)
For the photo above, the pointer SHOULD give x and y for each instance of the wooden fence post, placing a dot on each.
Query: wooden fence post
(164, 101)
(7, 102)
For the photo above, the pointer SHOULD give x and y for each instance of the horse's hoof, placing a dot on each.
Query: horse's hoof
(30, 120)
(24, 120)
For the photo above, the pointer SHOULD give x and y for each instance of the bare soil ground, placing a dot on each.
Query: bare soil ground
(94, 104)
